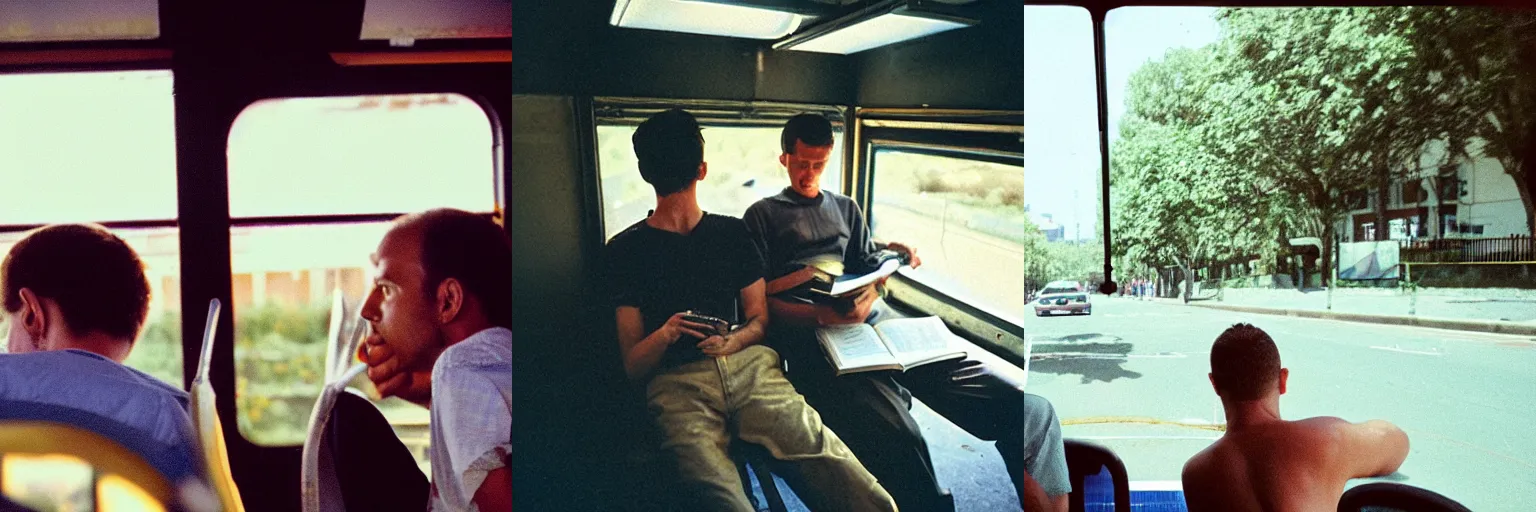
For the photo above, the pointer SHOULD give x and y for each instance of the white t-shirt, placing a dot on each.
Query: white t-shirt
(471, 417)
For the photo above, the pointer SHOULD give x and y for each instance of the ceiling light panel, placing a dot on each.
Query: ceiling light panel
(878, 31)
(704, 18)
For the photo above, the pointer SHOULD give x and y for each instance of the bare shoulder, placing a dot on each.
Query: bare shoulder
(1339, 428)
(1322, 422)
(1203, 464)
(1203, 478)
(1320, 428)
(1369, 448)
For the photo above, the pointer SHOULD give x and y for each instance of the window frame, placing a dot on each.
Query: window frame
(495, 214)
(988, 136)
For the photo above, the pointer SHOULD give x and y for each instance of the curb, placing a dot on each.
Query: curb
(1413, 321)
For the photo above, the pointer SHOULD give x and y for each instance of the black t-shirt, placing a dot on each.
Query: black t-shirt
(664, 273)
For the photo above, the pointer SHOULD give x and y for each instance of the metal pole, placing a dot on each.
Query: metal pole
(1335, 270)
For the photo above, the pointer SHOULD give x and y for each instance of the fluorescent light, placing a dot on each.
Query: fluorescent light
(871, 29)
(704, 18)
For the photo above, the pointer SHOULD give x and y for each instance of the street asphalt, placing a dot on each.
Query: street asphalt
(1132, 377)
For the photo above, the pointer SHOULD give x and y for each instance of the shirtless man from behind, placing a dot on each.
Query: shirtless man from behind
(1270, 464)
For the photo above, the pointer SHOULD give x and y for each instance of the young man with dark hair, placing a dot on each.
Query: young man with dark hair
(1263, 462)
(706, 382)
(441, 312)
(803, 224)
(76, 297)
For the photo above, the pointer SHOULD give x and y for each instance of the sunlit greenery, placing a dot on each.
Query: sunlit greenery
(279, 357)
(1230, 149)
(158, 351)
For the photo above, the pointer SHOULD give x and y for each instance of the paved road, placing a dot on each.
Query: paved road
(1133, 377)
(957, 259)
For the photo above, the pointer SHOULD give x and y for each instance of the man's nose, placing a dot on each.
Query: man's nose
(370, 309)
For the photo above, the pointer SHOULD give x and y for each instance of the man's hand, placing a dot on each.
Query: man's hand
(862, 304)
(676, 327)
(388, 375)
(912, 259)
(721, 346)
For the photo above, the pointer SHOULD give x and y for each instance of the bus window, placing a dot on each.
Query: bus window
(99, 147)
(404, 21)
(743, 168)
(79, 20)
(964, 216)
(335, 171)
(47, 482)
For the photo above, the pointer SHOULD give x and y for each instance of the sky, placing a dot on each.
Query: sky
(101, 146)
(1061, 146)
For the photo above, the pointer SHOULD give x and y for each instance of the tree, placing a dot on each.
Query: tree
(1484, 62)
(1230, 149)
(1179, 202)
(1320, 102)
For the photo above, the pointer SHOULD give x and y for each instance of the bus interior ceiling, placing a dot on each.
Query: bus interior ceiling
(224, 57)
(573, 453)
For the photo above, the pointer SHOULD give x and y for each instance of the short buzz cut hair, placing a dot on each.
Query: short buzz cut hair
(669, 148)
(1244, 363)
(812, 129)
(472, 249)
(96, 279)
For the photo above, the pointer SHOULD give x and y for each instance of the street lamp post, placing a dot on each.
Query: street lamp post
(1335, 270)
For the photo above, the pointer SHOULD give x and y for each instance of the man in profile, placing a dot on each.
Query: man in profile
(1267, 463)
(75, 297)
(441, 313)
(805, 223)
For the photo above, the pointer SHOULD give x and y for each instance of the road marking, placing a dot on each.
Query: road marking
(1098, 355)
(1436, 352)
(1111, 438)
(1095, 420)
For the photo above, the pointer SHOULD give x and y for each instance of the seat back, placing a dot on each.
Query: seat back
(1085, 462)
(351, 456)
(127, 480)
(1394, 496)
(205, 417)
(320, 488)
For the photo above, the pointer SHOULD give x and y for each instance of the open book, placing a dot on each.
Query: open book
(849, 285)
(897, 344)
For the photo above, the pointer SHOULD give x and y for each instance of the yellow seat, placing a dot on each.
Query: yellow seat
(149, 490)
(205, 416)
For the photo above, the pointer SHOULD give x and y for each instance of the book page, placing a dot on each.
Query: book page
(841, 288)
(854, 345)
(913, 335)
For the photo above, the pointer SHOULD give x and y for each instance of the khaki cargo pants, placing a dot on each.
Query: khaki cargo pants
(700, 405)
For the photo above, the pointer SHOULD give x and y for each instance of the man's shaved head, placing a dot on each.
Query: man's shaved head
(1245, 364)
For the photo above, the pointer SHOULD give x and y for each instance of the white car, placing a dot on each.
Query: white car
(1066, 296)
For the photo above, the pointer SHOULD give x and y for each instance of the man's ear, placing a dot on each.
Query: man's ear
(703, 170)
(34, 316)
(450, 300)
(1284, 374)
(1212, 377)
(784, 159)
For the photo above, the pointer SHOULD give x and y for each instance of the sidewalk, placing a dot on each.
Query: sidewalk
(1498, 310)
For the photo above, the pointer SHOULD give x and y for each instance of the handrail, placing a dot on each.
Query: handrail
(206, 356)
